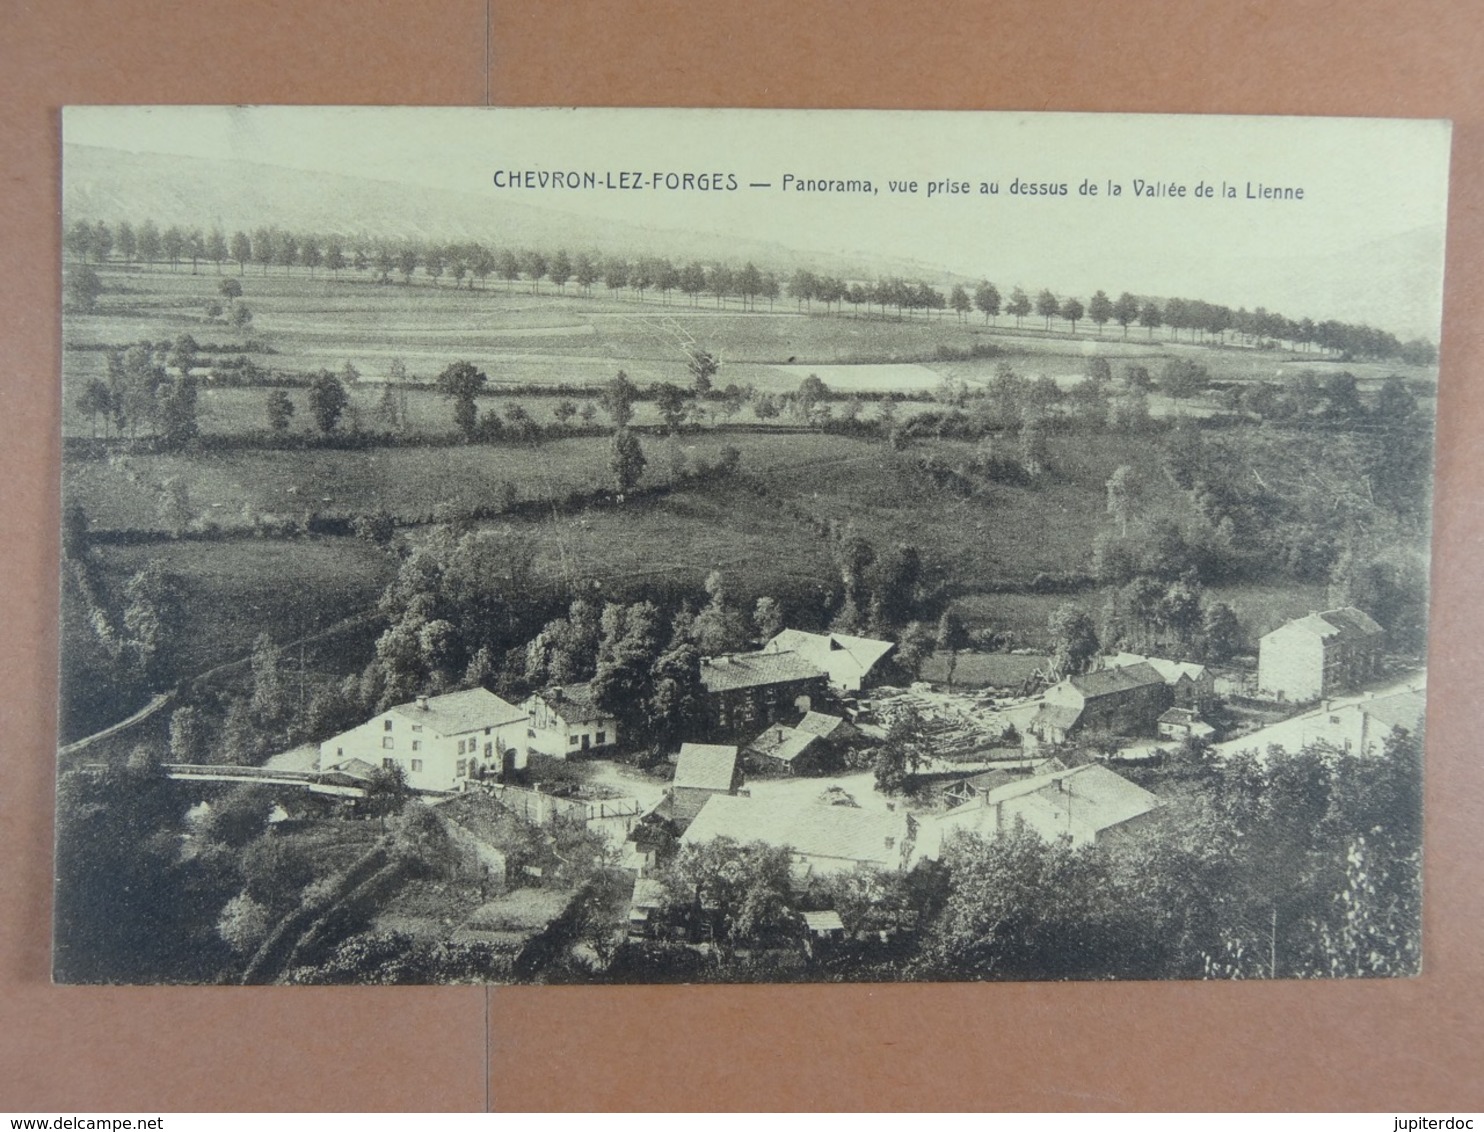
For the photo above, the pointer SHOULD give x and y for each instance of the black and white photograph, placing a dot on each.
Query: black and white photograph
(639, 546)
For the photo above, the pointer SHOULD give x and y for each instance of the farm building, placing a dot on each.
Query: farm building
(1359, 725)
(1193, 685)
(1123, 701)
(1184, 723)
(823, 838)
(438, 741)
(703, 769)
(799, 749)
(1318, 655)
(848, 661)
(1086, 804)
(565, 721)
(753, 689)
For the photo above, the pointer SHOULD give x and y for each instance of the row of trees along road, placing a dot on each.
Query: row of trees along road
(468, 263)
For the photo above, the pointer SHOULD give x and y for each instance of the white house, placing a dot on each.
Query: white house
(847, 660)
(1085, 804)
(565, 721)
(1319, 655)
(1357, 725)
(822, 838)
(438, 741)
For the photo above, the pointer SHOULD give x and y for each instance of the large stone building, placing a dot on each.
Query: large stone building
(439, 742)
(849, 661)
(1120, 701)
(748, 690)
(1318, 655)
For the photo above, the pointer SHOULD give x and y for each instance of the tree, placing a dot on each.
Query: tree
(280, 410)
(1019, 305)
(987, 299)
(241, 250)
(83, 288)
(767, 619)
(672, 402)
(95, 400)
(1100, 310)
(904, 752)
(703, 366)
(1125, 311)
(1149, 317)
(149, 242)
(1123, 494)
(241, 316)
(959, 300)
(216, 248)
(617, 399)
(178, 412)
(626, 461)
(952, 636)
(461, 383)
(127, 243)
(1072, 311)
(1048, 307)
(1074, 640)
(1182, 378)
(327, 400)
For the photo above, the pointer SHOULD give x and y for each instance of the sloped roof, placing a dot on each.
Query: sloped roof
(648, 893)
(573, 703)
(1111, 681)
(1403, 709)
(1180, 715)
(1080, 802)
(705, 766)
(821, 724)
(1347, 623)
(865, 651)
(459, 712)
(1061, 716)
(755, 669)
(847, 834)
(782, 743)
(826, 921)
(1171, 670)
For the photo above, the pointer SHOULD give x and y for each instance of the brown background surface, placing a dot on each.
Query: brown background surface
(1406, 1045)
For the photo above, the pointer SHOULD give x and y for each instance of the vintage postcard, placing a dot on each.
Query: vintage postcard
(625, 546)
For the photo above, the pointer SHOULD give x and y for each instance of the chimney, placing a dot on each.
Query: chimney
(422, 703)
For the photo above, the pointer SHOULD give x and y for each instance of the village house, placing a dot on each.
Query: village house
(565, 721)
(1192, 685)
(848, 661)
(1086, 804)
(1184, 723)
(802, 748)
(1319, 655)
(822, 837)
(1119, 701)
(1358, 726)
(702, 770)
(752, 689)
(439, 742)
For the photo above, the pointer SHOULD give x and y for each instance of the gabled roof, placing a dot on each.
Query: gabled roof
(755, 669)
(844, 834)
(459, 712)
(782, 743)
(1111, 681)
(705, 766)
(823, 725)
(1171, 670)
(1402, 709)
(865, 651)
(573, 703)
(1063, 717)
(1080, 803)
(1345, 623)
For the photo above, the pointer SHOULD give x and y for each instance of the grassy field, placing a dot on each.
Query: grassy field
(520, 338)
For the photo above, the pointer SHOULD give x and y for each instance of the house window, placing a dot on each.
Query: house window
(388, 742)
(891, 842)
(417, 744)
(386, 724)
(462, 770)
(417, 764)
(530, 734)
(417, 727)
(339, 751)
(602, 738)
(388, 764)
(461, 746)
(572, 740)
(489, 750)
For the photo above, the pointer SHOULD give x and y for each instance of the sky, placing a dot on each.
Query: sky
(1374, 191)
